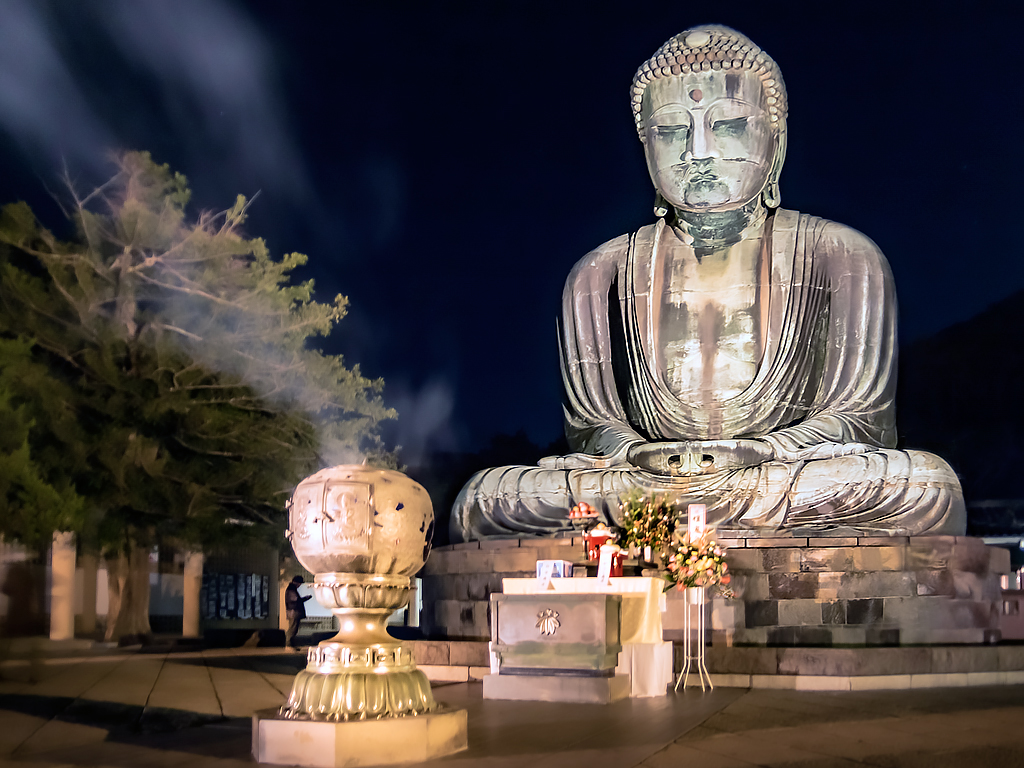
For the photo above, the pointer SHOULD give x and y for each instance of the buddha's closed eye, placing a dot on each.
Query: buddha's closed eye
(733, 126)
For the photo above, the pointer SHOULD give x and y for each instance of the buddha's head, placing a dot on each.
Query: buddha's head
(710, 108)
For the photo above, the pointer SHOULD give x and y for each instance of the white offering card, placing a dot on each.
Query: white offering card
(604, 565)
(696, 521)
(545, 570)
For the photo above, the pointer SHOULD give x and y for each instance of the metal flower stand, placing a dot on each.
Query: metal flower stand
(693, 641)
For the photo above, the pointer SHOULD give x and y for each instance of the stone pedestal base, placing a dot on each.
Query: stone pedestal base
(863, 669)
(886, 591)
(792, 590)
(571, 689)
(388, 741)
(459, 579)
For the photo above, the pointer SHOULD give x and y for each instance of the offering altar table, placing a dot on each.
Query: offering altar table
(645, 657)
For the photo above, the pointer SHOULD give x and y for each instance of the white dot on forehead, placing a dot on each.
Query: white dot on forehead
(697, 39)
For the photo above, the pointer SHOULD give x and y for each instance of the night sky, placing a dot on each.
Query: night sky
(445, 165)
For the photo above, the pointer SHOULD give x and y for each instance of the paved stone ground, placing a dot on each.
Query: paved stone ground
(193, 709)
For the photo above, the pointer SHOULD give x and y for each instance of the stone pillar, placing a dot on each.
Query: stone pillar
(412, 610)
(192, 587)
(87, 620)
(282, 616)
(62, 587)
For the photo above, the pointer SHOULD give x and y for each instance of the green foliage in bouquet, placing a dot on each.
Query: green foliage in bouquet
(647, 521)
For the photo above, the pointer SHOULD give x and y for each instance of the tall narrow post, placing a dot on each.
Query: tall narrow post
(190, 598)
(62, 586)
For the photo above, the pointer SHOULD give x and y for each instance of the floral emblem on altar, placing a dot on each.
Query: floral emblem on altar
(547, 621)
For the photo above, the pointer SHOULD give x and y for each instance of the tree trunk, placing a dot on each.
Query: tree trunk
(90, 564)
(128, 589)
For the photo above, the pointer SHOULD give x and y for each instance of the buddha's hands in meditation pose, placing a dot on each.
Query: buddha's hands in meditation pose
(702, 457)
(699, 457)
(733, 353)
(680, 458)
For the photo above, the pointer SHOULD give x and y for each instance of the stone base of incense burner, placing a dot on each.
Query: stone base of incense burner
(387, 741)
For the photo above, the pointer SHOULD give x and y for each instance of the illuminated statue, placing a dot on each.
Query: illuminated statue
(733, 353)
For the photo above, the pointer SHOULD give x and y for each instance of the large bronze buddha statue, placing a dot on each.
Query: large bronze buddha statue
(733, 353)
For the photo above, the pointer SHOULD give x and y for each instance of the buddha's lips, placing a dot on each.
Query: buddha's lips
(689, 173)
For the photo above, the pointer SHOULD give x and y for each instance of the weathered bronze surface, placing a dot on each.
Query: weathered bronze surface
(733, 353)
(556, 633)
(363, 532)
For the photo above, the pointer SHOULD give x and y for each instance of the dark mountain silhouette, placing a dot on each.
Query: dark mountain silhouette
(961, 395)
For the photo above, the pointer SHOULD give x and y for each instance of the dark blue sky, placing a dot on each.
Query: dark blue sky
(445, 165)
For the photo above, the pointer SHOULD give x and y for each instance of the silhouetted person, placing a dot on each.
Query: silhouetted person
(295, 610)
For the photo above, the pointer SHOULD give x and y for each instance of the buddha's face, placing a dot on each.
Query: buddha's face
(709, 140)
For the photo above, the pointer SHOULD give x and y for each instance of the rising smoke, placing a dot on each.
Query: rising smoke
(197, 82)
(82, 82)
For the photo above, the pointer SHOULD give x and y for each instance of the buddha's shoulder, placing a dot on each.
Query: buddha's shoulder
(611, 255)
(613, 250)
(842, 246)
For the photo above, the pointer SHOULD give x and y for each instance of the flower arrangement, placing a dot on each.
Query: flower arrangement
(647, 521)
(699, 563)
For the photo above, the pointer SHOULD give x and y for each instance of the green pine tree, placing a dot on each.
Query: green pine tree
(183, 398)
(36, 493)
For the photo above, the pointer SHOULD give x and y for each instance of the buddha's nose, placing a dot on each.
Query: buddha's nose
(700, 144)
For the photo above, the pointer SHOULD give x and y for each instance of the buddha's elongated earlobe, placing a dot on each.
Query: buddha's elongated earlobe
(660, 206)
(770, 195)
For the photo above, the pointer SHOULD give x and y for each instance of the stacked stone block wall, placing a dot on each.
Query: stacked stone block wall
(458, 580)
(834, 662)
(867, 591)
(877, 591)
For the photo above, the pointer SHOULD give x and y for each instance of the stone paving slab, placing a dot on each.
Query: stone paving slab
(56, 735)
(56, 679)
(242, 691)
(56, 722)
(281, 683)
(132, 686)
(16, 728)
(185, 686)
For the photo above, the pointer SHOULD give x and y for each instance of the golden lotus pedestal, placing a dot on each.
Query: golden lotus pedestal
(360, 701)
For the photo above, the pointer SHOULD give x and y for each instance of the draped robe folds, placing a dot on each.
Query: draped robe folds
(825, 382)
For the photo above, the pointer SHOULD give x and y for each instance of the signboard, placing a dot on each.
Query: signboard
(696, 521)
(235, 596)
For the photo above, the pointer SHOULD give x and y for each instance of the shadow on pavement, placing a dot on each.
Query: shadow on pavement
(118, 719)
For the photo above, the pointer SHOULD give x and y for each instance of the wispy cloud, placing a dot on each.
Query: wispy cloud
(212, 61)
(198, 72)
(41, 105)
